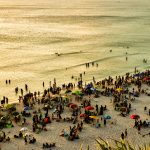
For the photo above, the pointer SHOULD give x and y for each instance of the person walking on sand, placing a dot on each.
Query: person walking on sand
(126, 133)
(139, 129)
(25, 140)
(104, 122)
(122, 136)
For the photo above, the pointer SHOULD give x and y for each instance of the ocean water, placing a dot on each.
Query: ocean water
(32, 31)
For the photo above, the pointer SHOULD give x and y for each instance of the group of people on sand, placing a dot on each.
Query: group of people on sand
(27, 138)
(92, 63)
(73, 133)
(8, 81)
(4, 138)
(117, 89)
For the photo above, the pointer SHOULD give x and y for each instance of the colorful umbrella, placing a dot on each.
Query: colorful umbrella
(119, 89)
(94, 117)
(77, 93)
(146, 79)
(89, 108)
(107, 116)
(9, 106)
(134, 116)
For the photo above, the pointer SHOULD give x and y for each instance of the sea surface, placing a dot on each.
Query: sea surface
(81, 31)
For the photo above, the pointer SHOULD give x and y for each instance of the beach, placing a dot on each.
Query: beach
(66, 41)
(115, 126)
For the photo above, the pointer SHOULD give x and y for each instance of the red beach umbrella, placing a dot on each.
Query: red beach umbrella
(146, 79)
(134, 116)
(89, 108)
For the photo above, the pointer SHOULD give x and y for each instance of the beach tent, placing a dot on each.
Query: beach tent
(134, 116)
(89, 108)
(94, 117)
(107, 116)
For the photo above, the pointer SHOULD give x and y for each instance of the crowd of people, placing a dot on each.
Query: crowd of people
(59, 98)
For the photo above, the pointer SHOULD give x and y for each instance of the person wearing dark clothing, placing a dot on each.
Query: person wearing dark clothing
(104, 122)
(122, 136)
(139, 129)
(96, 108)
(126, 133)
(25, 140)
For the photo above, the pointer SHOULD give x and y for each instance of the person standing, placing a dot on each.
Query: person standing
(104, 122)
(122, 136)
(139, 129)
(25, 140)
(126, 133)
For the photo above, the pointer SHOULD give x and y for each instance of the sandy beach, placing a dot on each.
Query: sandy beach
(72, 41)
(89, 132)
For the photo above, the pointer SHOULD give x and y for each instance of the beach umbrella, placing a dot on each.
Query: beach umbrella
(77, 92)
(134, 116)
(73, 106)
(146, 79)
(24, 129)
(89, 108)
(119, 89)
(46, 120)
(9, 106)
(107, 116)
(94, 117)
